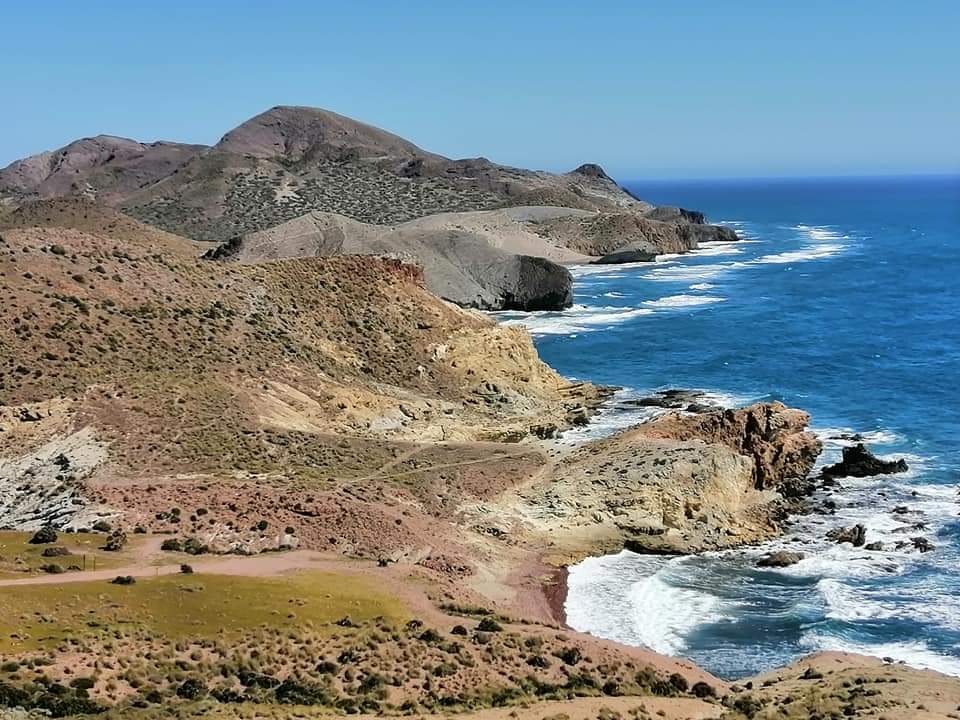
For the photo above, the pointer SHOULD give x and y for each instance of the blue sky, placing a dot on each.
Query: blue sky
(648, 89)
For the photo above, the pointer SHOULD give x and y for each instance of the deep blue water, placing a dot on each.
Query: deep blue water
(844, 300)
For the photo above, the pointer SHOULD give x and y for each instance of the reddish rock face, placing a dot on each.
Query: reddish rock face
(772, 434)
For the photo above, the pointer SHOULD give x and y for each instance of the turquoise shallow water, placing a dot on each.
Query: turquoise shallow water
(844, 300)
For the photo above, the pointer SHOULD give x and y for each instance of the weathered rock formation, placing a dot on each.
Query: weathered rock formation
(779, 559)
(771, 434)
(676, 484)
(858, 461)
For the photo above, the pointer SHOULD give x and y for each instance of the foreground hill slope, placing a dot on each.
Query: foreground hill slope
(349, 470)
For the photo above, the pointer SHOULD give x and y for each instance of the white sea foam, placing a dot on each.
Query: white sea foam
(917, 654)
(613, 295)
(820, 232)
(580, 318)
(676, 301)
(663, 615)
(686, 273)
(710, 249)
(926, 604)
(813, 252)
(835, 436)
(702, 286)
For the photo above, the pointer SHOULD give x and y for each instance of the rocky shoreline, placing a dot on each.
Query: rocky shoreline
(786, 466)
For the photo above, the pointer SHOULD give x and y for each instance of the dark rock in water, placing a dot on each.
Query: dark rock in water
(631, 253)
(539, 284)
(780, 559)
(873, 546)
(850, 437)
(676, 399)
(856, 535)
(922, 544)
(859, 462)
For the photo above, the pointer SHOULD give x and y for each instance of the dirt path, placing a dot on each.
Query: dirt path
(256, 565)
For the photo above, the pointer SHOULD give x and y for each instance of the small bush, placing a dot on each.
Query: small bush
(171, 545)
(570, 655)
(124, 580)
(679, 682)
(186, 569)
(43, 536)
(115, 541)
(702, 690)
(56, 551)
(488, 624)
(191, 689)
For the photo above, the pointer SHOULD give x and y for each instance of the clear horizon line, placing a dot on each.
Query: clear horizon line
(775, 178)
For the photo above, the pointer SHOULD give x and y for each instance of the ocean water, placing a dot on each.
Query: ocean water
(843, 299)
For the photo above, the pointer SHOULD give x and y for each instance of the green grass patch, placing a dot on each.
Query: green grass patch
(176, 607)
(19, 558)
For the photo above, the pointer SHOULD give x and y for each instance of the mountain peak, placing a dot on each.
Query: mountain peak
(293, 133)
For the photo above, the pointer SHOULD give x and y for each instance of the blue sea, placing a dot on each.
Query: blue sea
(842, 299)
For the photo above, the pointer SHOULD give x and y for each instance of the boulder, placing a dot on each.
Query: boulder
(922, 544)
(640, 251)
(857, 461)
(856, 535)
(782, 558)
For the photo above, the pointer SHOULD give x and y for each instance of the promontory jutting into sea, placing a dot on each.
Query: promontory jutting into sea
(301, 419)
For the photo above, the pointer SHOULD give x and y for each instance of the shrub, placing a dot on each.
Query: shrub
(171, 545)
(459, 630)
(679, 682)
(702, 690)
(115, 541)
(227, 695)
(538, 661)
(488, 624)
(52, 568)
(445, 670)
(44, 535)
(430, 636)
(102, 526)
(124, 580)
(82, 683)
(192, 546)
(186, 569)
(291, 692)
(570, 655)
(56, 551)
(191, 689)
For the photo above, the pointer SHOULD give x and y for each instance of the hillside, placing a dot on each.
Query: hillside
(489, 259)
(284, 163)
(106, 167)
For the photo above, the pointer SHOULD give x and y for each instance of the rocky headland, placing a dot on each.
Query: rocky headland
(291, 474)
